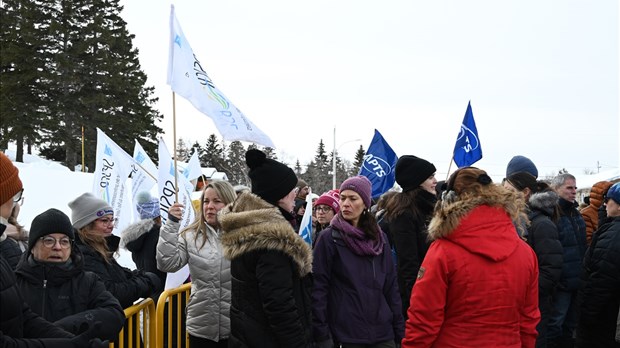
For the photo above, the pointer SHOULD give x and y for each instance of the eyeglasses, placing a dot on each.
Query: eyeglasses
(49, 242)
(18, 196)
(323, 209)
(107, 221)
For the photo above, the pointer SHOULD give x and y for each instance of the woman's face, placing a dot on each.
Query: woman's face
(211, 204)
(430, 184)
(104, 225)
(324, 214)
(288, 202)
(351, 206)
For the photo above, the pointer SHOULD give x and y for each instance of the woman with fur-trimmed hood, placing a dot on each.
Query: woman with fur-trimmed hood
(478, 284)
(270, 262)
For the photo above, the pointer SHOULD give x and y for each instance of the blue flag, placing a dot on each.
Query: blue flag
(467, 150)
(378, 166)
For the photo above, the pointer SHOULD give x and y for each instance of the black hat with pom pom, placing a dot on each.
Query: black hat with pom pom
(271, 180)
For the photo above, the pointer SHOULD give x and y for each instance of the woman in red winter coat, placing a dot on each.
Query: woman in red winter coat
(478, 284)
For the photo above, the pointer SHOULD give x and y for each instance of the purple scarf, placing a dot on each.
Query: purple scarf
(356, 240)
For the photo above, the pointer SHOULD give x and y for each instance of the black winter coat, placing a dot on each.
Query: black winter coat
(271, 281)
(126, 285)
(20, 326)
(68, 296)
(572, 235)
(140, 239)
(10, 250)
(600, 295)
(542, 235)
(409, 235)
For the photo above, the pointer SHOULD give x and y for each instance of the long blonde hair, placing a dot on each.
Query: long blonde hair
(226, 193)
(95, 240)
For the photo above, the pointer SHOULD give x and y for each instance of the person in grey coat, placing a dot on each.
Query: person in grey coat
(198, 245)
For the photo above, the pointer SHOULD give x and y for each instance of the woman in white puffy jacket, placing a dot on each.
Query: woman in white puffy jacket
(198, 245)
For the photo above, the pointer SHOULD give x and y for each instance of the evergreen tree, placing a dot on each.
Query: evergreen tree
(237, 170)
(297, 168)
(91, 79)
(21, 65)
(358, 161)
(183, 153)
(196, 148)
(213, 153)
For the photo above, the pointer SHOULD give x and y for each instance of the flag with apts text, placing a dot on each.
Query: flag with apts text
(467, 150)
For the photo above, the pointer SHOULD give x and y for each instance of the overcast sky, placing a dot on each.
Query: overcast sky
(542, 75)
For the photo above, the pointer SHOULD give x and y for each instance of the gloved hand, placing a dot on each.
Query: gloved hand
(85, 337)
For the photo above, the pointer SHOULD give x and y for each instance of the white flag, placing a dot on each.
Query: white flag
(143, 172)
(167, 198)
(192, 169)
(305, 226)
(188, 79)
(111, 171)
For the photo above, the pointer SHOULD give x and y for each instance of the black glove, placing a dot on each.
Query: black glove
(85, 337)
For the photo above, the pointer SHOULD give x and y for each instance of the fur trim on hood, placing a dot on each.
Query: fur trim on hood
(544, 201)
(450, 213)
(136, 230)
(251, 223)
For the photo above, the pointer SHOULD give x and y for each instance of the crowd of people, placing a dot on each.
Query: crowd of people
(462, 263)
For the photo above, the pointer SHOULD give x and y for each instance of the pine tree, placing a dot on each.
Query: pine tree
(91, 79)
(237, 170)
(183, 153)
(358, 161)
(21, 65)
(213, 153)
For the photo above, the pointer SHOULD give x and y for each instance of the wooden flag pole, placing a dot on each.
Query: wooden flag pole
(450, 166)
(174, 148)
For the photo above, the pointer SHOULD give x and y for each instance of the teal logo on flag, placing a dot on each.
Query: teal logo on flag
(140, 157)
(107, 150)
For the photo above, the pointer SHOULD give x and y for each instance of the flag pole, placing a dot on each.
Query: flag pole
(174, 147)
(450, 166)
(83, 166)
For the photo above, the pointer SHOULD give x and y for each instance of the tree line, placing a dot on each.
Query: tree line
(230, 159)
(69, 67)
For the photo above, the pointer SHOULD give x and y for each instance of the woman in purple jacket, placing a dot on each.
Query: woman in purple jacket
(355, 299)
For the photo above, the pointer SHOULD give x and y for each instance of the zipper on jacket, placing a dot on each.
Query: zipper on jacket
(44, 296)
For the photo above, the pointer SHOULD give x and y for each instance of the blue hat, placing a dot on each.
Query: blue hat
(521, 164)
(614, 192)
(147, 206)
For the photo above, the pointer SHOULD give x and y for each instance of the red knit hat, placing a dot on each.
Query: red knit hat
(10, 184)
(331, 199)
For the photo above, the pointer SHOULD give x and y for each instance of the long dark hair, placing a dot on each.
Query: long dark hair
(417, 201)
(368, 223)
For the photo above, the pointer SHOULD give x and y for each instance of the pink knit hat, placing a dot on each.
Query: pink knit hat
(331, 199)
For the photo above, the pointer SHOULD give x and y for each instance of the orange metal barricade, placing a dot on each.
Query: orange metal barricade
(170, 319)
(139, 328)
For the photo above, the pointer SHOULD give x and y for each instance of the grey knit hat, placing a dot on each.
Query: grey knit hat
(88, 208)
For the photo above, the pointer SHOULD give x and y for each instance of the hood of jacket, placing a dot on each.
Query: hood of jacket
(55, 273)
(251, 223)
(479, 224)
(544, 202)
(133, 237)
(597, 192)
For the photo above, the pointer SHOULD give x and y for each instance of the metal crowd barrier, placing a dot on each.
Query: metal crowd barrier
(139, 328)
(170, 320)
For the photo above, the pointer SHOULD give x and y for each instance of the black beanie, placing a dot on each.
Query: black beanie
(271, 180)
(412, 171)
(48, 222)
